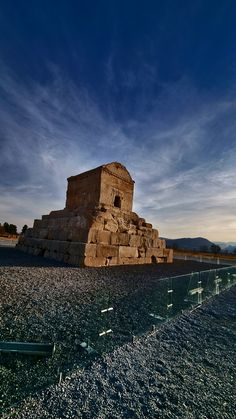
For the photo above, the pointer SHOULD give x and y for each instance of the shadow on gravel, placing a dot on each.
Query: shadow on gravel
(10, 256)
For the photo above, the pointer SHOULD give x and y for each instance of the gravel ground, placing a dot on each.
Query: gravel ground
(184, 371)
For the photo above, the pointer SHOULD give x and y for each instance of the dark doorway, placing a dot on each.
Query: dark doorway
(117, 201)
(154, 259)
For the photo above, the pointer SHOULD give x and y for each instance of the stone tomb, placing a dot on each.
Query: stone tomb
(97, 226)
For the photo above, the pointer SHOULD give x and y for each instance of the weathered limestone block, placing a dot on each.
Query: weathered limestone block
(168, 253)
(132, 229)
(146, 242)
(163, 243)
(105, 251)
(43, 233)
(141, 222)
(135, 241)
(90, 250)
(128, 252)
(120, 238)
(123, 225)
(63, 246)
(75, 260)
(61, 234)
(104, 237)
(78, 235)
(76, 249)
(153, 251)
(112, 261)
(157, 243)
(111, 225)
(98, 223)
(95, 262)
(155, 234)
(29, 232)
(93, 235)
(148, 225)
(37, 224)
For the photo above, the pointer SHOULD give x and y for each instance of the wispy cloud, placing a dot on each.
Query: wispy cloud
(181, 153)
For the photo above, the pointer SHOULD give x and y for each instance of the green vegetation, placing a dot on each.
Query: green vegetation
(24, 228)
(10, 228)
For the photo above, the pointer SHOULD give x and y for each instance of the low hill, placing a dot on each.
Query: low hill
(196, 243)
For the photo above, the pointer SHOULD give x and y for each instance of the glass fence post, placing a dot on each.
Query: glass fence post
(169, 297)
(217, 284)
(200, 289)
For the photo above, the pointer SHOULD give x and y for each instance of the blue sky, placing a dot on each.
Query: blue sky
(148, 83)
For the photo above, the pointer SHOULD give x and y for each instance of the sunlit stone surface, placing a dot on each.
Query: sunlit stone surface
(97, 226)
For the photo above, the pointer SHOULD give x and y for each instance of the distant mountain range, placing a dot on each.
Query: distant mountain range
(223, 245)
(199, 244)
(227, 246)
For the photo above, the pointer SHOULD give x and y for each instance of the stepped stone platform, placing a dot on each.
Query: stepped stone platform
(97, 226)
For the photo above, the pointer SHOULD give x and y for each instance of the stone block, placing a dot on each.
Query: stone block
(124, 239)
(163, 243)
(105, 251)
(98, 223)
(78, 235)
(123, 225)
(92, 235)
(168, 253)
(78, 221)
(157, 243)
(29, 232)
(46, 253)
(120, 239)
(90, 250)
(132, 229)
(140, 260)
(143, 260)
(114, 239)
(111, 225)
(63, 246)
(50, 235)
(113, 261)
(146, 242)
(147, 260)
(62, 234)
(134, 240)
(43, 233)
(76, 260)
(148, 225)
(76, 249)
(37, 251)
(141, 222)
(94, 262)
(155, 234)
(104, 237)
(37, 224)
(128, 252)
(153, 251)
(128, 261)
